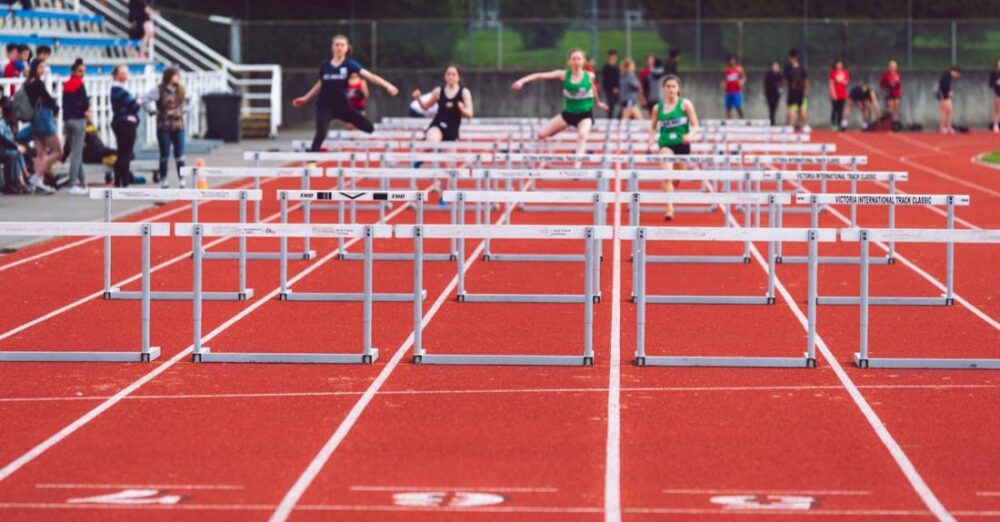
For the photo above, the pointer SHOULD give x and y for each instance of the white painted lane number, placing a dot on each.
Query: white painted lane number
(129, 497)
(768, 502)
(441, 499)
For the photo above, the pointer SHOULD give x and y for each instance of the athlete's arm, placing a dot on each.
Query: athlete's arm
(693, 125)
(466, 104)
(309, 96)
(431, 100)
(380, 81)
(556, 74)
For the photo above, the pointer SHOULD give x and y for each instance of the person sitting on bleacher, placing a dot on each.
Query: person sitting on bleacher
(25, 4)
(14, 175)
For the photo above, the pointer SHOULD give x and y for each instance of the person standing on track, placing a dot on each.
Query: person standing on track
(124, 120)
(865, 100)
(610, 80)
(631, 92)
(798, 92)
(331, 91)
(772, 88)
(995, 85)
(733, 78)
(674, 126)
(892, 89)
(839, 79)
(579, 94)
(945, 94)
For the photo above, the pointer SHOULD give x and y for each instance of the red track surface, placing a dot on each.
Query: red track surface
(233, 440)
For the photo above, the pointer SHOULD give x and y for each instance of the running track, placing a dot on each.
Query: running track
(394, 441)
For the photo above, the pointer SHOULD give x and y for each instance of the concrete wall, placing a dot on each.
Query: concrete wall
(493, 97)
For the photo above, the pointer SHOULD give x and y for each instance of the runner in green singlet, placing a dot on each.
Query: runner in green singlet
(580, 94)
(675, 124)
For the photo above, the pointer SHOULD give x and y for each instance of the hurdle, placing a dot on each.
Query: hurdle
(589, 235)
(306, 174)
(817, 202)
(774, 201)
(745, 122)
(283, 231)
(194, 196)
(948, 298)
(642, 235)
(862, 358)
(145, 231)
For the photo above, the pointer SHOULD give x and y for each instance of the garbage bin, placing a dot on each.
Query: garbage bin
(222, 112)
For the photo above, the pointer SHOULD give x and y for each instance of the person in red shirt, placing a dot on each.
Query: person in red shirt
(839, 80)
(733, 78)
(892, 88)
(644, 75)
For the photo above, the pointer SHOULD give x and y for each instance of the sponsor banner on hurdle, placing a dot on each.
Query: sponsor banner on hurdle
(806, 160)
(758, 122)
(641, 236)
(863, 357)
(196, 196)
(367, 233)
(837, 175)
(145, 231)
(590, 236)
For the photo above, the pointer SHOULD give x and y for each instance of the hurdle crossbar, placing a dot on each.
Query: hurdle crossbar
(145, 231)
(642, 235)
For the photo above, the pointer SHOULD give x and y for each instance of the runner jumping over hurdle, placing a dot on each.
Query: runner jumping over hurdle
(454, 101)
(579, 94)
(675, 125)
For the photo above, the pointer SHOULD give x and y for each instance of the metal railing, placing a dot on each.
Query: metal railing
(259, 85)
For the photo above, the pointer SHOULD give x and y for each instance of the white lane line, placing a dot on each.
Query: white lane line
(82, 421)
(831, 492)
(294, 494)
(495, 489)
(612, 461)
(203, 487)
(988, 493)
(916, 481)
(186, 255)
(77, 243)
(936, 172)
(489, 391)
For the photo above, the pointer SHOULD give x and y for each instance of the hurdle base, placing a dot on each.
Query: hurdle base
(43, 356)
(708, 299)
(949, 364)
(556, 258)
(389, 256)
(733, 260)
(726, 362)
(305, 256)
(886, 301)
(119, 295)
(504, 360)
(332, 297)
(833, 260)
(686, 209)
(523, 298)
(206, 355)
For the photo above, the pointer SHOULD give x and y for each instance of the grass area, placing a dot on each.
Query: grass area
(991, 157)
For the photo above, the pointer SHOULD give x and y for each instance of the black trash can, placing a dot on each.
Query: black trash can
(222, 112)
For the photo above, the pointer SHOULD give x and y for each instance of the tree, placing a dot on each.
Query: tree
(544, 34)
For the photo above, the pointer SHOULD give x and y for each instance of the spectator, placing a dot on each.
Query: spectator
(169, 103)
(357, 92)
(839, 79)
(25, 4)
(610, 80)
(630, 92)
(945, 95)
(43, 52)
(15, 63)
(798, 92)
(416, 109)
(654, 93)
(124, 119)
(892, 89)
(140, 17)
(995, 85)
(15, 180)
(644, 74)
(48, 148)
(76, 111)
(865, 100)
(733, 78)
(673, 63)
(772, 88)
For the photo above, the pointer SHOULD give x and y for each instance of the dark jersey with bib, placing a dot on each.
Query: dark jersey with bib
(333, 92)
(449, 116)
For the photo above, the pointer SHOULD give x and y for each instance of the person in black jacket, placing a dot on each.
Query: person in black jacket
(124, 120)
(48, 147)
(76, 106)
(772, 88)
(610, 78)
